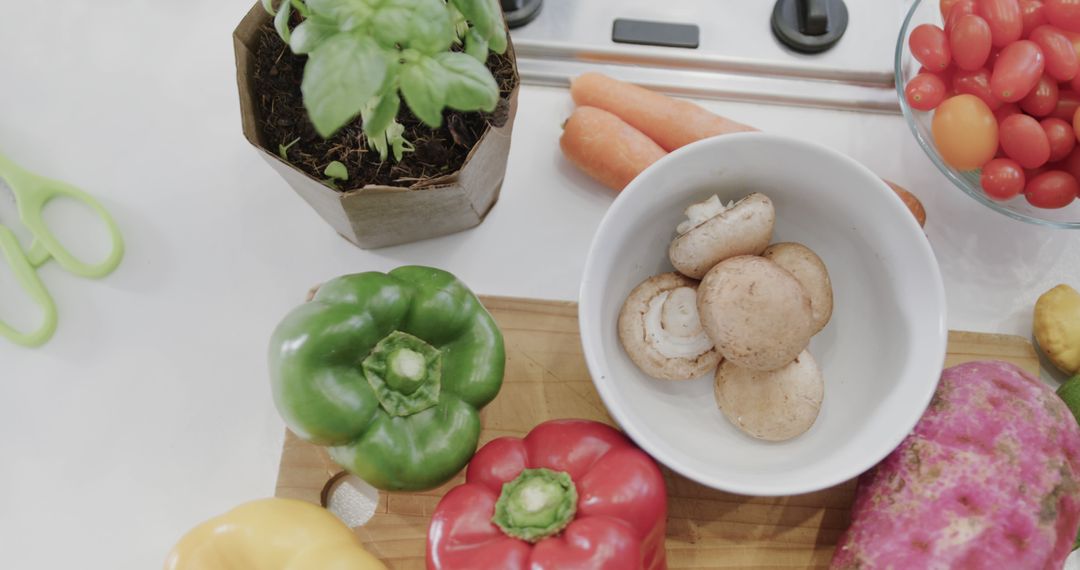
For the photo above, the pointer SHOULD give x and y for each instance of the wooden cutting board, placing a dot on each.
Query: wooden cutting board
(546, 378)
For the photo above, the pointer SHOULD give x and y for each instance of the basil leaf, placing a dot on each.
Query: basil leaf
(486, 17)
(349, 14)
(424, 85)
(475, 45)
(470, 86)
(311, 33)
(423, 25)
(281, 21)
(337, 171)
(380, 114)
(343, 74)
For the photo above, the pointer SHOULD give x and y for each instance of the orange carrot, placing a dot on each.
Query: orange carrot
(672, 123)
(607, 148)
(910, 201)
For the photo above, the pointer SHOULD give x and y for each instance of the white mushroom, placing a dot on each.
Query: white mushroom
(713, 232)
(660, 330)
(755, 312)
(811, 273)
(774, 405)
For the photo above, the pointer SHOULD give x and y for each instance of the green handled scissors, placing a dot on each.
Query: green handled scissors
(32, 193)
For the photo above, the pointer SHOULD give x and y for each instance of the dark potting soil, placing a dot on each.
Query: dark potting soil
(437, 152)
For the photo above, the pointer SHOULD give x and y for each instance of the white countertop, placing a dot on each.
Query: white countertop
(150, 410)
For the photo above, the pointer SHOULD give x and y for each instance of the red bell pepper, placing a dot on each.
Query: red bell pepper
(572, 494)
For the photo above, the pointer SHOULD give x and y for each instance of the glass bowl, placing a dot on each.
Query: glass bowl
(924, 12)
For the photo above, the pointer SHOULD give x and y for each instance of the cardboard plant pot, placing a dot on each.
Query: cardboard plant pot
(378, 216)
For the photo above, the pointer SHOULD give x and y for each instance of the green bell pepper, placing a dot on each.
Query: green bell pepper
(389, 371)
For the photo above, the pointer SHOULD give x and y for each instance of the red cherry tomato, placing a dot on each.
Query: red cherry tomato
(1053, 189)
(1064, 14)
(1002, 178)
(1024, 140)
(930, 46)
(1071, 163)
(946, 7)
(960, 9)
(1017, 71)
(1033, 14)
(1068, 101)
(1061, 136)
(965, 132)
(970, 42)
(1076, 123)
(1005, 110)
(946, 77)
(1004, 18)
(976, 83)
(1043, 98)
(925, 91)
(1061, 60)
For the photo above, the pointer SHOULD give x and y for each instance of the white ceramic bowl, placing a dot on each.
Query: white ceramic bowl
(881, 354)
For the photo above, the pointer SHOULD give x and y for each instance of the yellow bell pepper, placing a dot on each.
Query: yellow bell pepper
(272, 534)
(1057, 327)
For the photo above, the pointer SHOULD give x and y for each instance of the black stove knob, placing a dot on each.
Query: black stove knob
(809, 26)
(520, 12)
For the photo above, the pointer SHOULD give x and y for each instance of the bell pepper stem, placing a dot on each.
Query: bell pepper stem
(405, 372)
(537, 504)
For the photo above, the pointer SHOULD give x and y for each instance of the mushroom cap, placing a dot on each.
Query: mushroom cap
(756, 312)
(811, 273)
(773, 405)
(743, 229)
(660, 329)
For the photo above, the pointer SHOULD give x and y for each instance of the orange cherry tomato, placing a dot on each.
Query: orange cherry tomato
(1024, 140)
(1043, 98)
(1033, 14)
(970, 42)
(976, 83)
(925, 91)
(1053, 189)
(1002, 178)
(930, 46)
(1061, 136)
(1005, 20)
(1064, 14)
(1017, 71)
(1062, 62)
(965, 132)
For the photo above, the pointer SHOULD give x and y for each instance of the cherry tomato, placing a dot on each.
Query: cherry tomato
(1068, 101)
(946, 6)
(1017, 71)
(925, 91)
(1071, 163)
(1004, 18)
(976, 83)
(1061, 60)
(1064, 14)
(1076, 123)
(970, 42)
(1005, 110)
(930, 46)
(960, 9)
(1024, 140)
(1043, 98)
(965, 132)
(1053, 189)
(1033, 13)
(1002, 178)
(1061, 136)
(946, 77)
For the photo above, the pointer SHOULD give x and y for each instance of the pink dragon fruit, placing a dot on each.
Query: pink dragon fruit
(990, 478)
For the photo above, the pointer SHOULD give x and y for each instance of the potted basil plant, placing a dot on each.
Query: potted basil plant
(391, 118)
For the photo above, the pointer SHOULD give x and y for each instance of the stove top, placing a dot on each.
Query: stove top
(727, 49)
